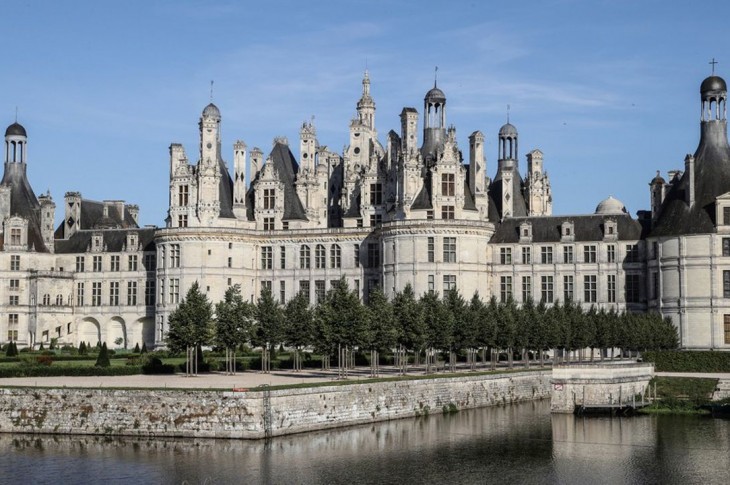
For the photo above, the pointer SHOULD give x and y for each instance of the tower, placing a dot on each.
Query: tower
(478, 173)
(48, 213)
(434, 122)
(209, 168)
(239, 179)
(16, 141)
(366, 104)
(507, 170)
(538, 193)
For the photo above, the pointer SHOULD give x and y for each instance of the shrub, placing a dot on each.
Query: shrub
(82, 348)
(689, 361)
(44, 359)
(153, 365)
(136, 348)
(41, 347)
(144, 348)
(54, 371)
(103, 359)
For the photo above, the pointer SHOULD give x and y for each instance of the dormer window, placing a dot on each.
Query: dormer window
(567, 231)
(526, 232)
(610, 229)
(97, 242)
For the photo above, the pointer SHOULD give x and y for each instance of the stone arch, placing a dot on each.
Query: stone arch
(143, 332)
(116, 329)
(88, 330)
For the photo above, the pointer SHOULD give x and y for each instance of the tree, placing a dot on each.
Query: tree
(459, 315)
(267, 331)
(382, 335)
(233, 324)
(136, 348)
(102, 360)
(409, 323)
(438, 326)
(488, 329)
(191, 326)
(471, 332)
(298, 328)
(144, 348)
(82, 348)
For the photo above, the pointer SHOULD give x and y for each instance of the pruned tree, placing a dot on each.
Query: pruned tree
(438, 326)
(409, 322)
(382, 334)
(191, 327)
(268, 329)
(233, 324)
(298, 328)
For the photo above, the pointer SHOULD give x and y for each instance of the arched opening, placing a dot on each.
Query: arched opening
(88, 331)
(116, 333)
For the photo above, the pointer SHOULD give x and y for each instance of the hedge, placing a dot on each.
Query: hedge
(51, 371)
(689, 360)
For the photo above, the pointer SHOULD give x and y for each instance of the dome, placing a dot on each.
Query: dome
(658, 179)
(713, 83)
(16, 129)
(508, 129)
(435, 95)
(211, 111)
(610, 206)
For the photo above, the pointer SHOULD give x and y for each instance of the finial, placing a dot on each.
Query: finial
(435, 76)
(211, 90)
(16, 114)
(712, 63)
(507, 113)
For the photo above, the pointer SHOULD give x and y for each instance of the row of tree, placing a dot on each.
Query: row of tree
(426, 328)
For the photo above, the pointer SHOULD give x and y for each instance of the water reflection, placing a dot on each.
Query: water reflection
(520, 444)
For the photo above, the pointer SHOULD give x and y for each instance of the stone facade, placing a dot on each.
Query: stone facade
(409, 211)
(242, 414)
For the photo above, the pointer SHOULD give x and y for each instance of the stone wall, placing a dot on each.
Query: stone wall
(245, 414)
(597, 384)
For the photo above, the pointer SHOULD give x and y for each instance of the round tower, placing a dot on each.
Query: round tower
(434, 122)
(507, 156)
(16, 141)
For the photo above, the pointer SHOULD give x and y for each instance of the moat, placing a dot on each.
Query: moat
(520, 443)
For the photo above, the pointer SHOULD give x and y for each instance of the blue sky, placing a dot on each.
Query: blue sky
(608, 90)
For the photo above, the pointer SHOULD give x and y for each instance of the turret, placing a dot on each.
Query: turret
(48, 213)
(239, 179)
(477, 163)
(257, 162)
(308, 147)
(408, 135)
(72, 213)
(434, 121)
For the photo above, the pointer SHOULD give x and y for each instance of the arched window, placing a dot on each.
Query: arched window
(335, 256)
(305, 257)
(46, 299)
(59, 300)
(319, 257)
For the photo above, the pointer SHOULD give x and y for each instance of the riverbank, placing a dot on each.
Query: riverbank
(239, 412)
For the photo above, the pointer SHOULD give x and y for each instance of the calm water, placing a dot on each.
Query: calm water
(514, 444)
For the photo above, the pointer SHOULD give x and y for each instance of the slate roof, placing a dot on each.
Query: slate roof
(286, 167)
(114, 240)
(712, 179)
(24, 203)
(225, 192)
(548, 229)
(519, 206)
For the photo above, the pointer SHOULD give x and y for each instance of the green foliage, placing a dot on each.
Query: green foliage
(689, 361)
(298, 327)
(54, 342)
(234, 319)
(438, 322)
(269, 319)
(383, 333)
(151, 364)
(103, 359)
(82, 348)
(682, 393)
(409, 319)
(55, 371)
(11, 350)
(191, 322)
(136, 348)
(144, 348)
(40, 347)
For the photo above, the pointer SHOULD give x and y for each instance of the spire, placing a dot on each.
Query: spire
(211, 90)
(435, 76)
(366, 84)
(712, 63)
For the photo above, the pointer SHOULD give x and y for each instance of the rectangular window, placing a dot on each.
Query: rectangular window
(526, 255)
(449, 250)
(611, 253)
(526, 288)
(268, 223)
(632, 288)
(589, 253)
(447, 185)
(726, 246)
(726, 216)
(546, 254)
(150, 262)
(174, 255)
(282, 292)
(568, 288)
(15, 236)
(356, 253)
(114, 260)
(132, 262)
(356, 287)
(727, 329)
(632, 253)
(161, 288)
(113, 293)
(14, 263)
(80, 264)
(359, 222)
(14, 300)
(431, 249)
(174, 290)
(131, 293)
(182, 220)
(568, 254)
(726, 284)
(319, 290)
(96, 293)
(304, 288)
(183, 195)
(319, 257)
(546, 288)
(429, 214)
(335, 256)
(267, 257)
(447, 212)
(97, 264)
(431, 283)
(376, 194)
(305, 257)
(149, 292)
(505, 255)
(14, 285)
(373, 255)
(266, 285)
(269, 198)
(375, 220)
(79, 294)
(611, 287)
(449, 282)
(505, 288)
(589, 288)
(282, 257)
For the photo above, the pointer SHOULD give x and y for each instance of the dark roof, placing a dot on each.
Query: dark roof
(286, 168)
(713, 83)
(469, 203)
(548, 229)
(409, 110)
(435, 95)
(114, 240)
(423, 199)
(212, 111)
(225, 192)
(15, 129)
(508, 129)
(712, 179)
(24, 203)
(519, 205)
